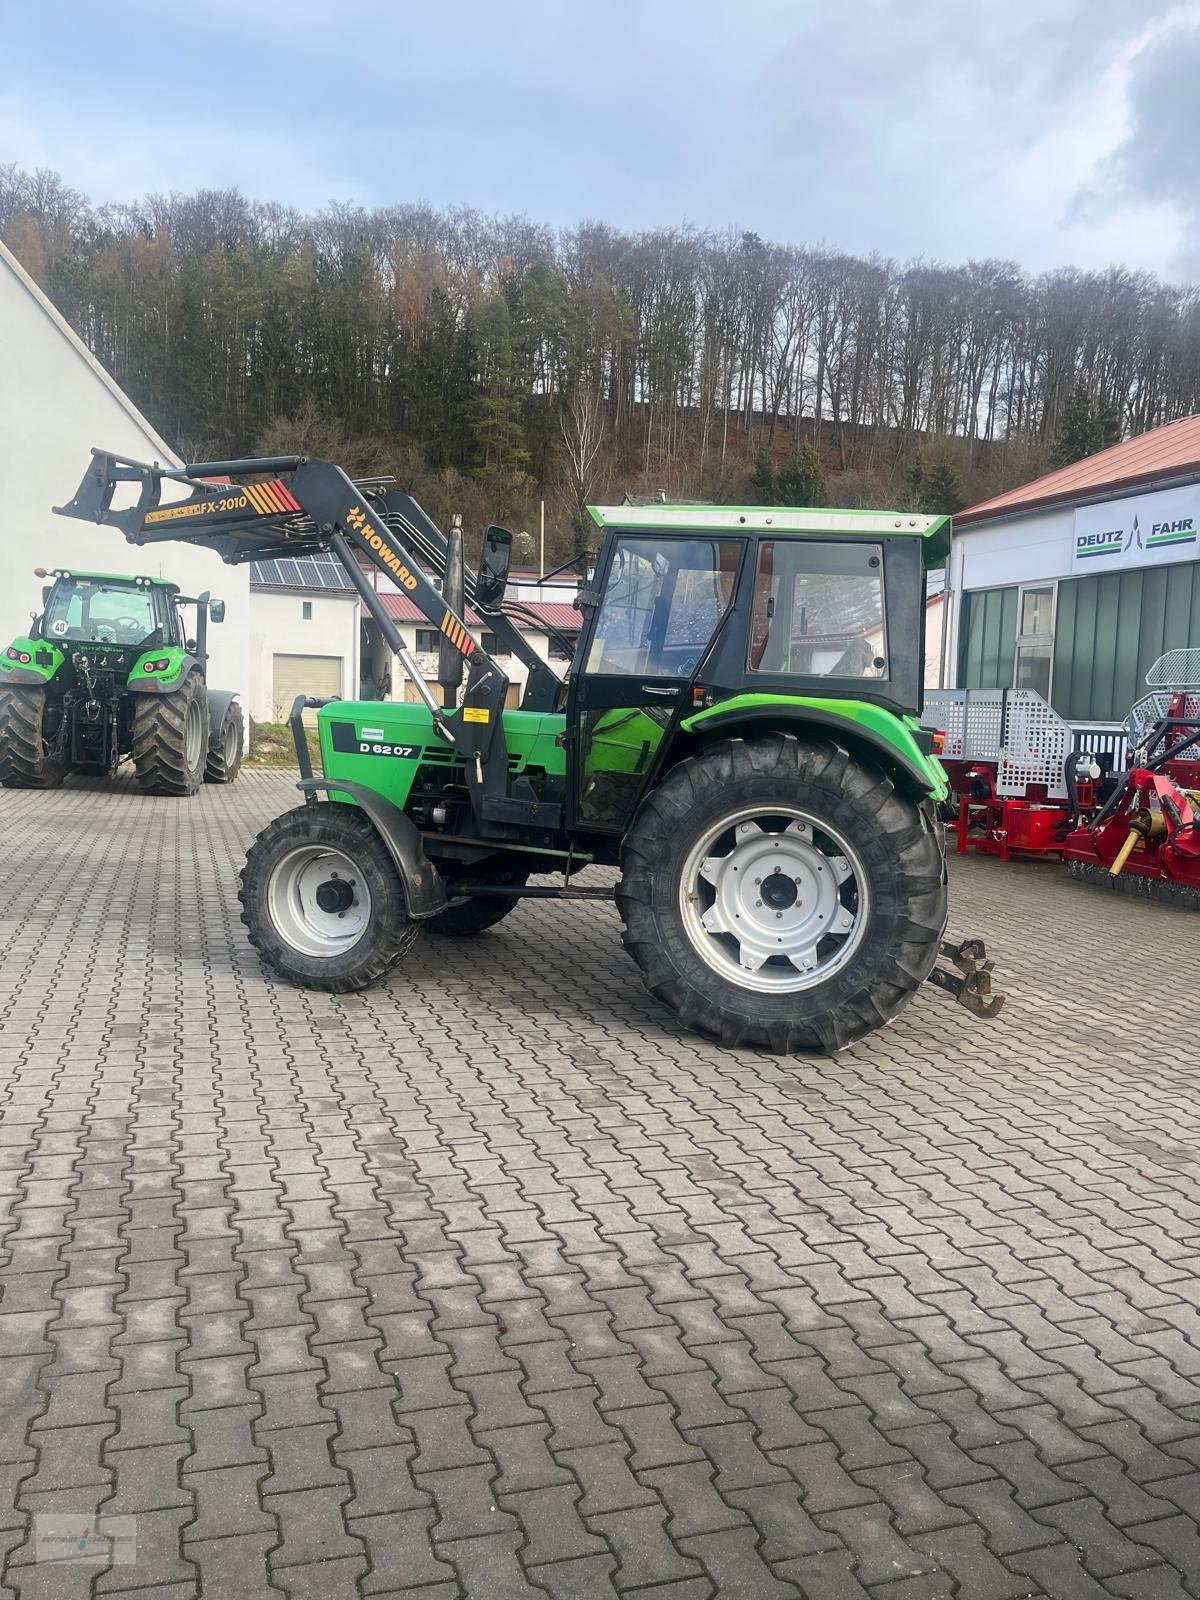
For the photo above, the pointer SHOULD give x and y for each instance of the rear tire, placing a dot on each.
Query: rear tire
(170, 738)
(479, 912)
(24, 763)
(225, 746)
(322, 900)
(861, 897)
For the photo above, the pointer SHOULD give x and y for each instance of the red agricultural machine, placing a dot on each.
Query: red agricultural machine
(1145, 836)
(1020, 788)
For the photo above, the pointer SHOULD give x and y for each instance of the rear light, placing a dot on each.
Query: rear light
(160, 665)
(24, 657)
(939, 743)
(12, 654)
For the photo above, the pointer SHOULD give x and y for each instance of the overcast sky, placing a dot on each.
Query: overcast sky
(1048, 131)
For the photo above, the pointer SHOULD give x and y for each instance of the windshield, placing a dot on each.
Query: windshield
(99, 610)
(662, 604)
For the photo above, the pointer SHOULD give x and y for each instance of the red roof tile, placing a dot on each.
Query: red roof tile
(1167, 452)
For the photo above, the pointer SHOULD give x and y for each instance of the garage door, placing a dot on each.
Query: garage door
(313, 675)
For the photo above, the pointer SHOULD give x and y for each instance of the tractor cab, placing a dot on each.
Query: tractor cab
(703, 616)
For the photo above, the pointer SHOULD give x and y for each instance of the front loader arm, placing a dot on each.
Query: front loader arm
(317, 508)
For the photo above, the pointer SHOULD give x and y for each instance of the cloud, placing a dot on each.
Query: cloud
(942, 128)
(1155, 164)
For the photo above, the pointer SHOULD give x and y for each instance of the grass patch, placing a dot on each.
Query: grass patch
(271, 745)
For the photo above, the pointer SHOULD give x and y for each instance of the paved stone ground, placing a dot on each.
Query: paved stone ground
(494, 1283)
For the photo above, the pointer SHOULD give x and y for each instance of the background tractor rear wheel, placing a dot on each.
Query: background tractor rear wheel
(225, 746)
(322, 899)
(170, 738)
(779, 894)
(24, 763)
(480, 912)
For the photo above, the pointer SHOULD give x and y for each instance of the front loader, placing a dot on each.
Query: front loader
(737, 735)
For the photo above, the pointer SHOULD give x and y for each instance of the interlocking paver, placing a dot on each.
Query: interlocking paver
(492, 1282)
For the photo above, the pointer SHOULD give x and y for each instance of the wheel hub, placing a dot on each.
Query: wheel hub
(779, 891)
(335, 894)
(318, 901)
(774, 902)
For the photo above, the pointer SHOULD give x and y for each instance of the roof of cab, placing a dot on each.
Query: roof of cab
(934, 531)
(114, 577)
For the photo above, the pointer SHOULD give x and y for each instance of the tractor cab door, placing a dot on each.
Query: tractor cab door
(662, 600)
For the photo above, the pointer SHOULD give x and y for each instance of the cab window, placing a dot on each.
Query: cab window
(818, 610)
(662, 605)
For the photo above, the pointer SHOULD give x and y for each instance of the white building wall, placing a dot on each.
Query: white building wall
(1021, 550)
(278, 627)
(56, 402)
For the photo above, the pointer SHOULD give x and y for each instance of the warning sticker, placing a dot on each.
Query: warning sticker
(475, 714)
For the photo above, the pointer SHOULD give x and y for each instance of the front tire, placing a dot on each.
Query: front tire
(781, 895)
(170, 738)
(24, 760)
(322, 900)
(225, 746)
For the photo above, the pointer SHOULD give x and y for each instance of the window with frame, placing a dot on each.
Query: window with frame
(663, 602)
(818, 610)
(1035, 639)
(427, 641)
(560, 650)
(306, 610)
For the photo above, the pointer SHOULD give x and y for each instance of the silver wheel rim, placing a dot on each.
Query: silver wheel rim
(231, 743)
(298, 885)
(776, 901)
(193, 734)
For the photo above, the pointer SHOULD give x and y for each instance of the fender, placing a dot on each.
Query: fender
(424, 891)
(892, 739)
(166, 682)
(219, 702)
(44, 661)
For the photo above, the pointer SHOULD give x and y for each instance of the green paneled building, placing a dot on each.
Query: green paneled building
(1076, 583)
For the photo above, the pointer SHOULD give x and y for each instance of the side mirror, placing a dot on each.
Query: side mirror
(493, 568)
(216, 610)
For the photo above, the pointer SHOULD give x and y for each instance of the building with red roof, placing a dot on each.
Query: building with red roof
(1076, 583)
(308, 634)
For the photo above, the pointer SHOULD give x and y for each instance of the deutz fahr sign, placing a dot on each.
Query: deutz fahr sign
(1140, 530)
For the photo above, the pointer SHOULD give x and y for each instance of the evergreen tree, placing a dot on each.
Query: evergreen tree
(763, 486)
(801, 480)
(940, 493)
(1084, 427)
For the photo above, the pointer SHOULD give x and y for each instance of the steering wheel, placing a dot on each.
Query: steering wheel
(130, 627)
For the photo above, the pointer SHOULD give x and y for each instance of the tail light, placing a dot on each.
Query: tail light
(939, 742)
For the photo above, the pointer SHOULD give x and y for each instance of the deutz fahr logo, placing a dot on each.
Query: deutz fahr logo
(1120, 541)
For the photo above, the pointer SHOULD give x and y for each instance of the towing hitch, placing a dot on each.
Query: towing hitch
(971, 981)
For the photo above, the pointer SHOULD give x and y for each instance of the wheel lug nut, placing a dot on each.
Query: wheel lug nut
(758, 902)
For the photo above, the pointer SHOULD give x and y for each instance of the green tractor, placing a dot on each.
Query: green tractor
(108, 672)
(737, 735)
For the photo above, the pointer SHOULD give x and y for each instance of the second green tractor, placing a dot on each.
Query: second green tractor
(107, 673)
